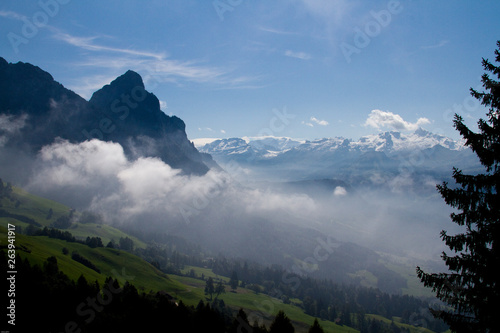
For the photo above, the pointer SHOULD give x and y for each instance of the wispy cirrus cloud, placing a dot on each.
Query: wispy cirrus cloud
(278, 31)
(154, 66)
(298, 55)
(85, 86)
(11, 15)
(88, 43)
(436, 46)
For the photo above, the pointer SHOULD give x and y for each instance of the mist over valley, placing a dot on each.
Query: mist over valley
(270, 200)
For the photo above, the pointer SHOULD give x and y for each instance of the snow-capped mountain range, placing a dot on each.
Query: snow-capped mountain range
(379, 156)
(271, 147)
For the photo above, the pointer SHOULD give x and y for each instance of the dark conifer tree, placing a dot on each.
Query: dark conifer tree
(240, 323)
(316, 327)
(281, 324)
(471, 287)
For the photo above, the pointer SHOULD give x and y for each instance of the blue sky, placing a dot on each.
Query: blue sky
(299, 68)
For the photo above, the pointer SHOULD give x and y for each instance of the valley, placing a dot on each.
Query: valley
(183, 282)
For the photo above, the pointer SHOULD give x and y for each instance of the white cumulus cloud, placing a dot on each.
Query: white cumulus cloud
(319, 122)
(384, 119)
(339, 191)
(314, 120)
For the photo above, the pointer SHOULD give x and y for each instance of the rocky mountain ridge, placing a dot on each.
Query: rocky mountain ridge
(36, 110)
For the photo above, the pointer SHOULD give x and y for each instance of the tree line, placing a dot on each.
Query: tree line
(325, 299)
(124, 243)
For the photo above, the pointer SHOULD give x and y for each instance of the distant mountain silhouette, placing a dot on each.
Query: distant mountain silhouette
(122, 112)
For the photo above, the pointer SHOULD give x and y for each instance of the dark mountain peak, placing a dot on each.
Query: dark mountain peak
(26, 70)
(3, 62)
(128, 86)
(25, 88)
(137, 110)
(130, 80)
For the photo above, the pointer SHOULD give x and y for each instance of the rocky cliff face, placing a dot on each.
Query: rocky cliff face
(122, 112)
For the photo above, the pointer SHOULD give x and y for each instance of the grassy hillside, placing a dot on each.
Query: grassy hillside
(33, 207)
(111, 262)
(39, 210)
